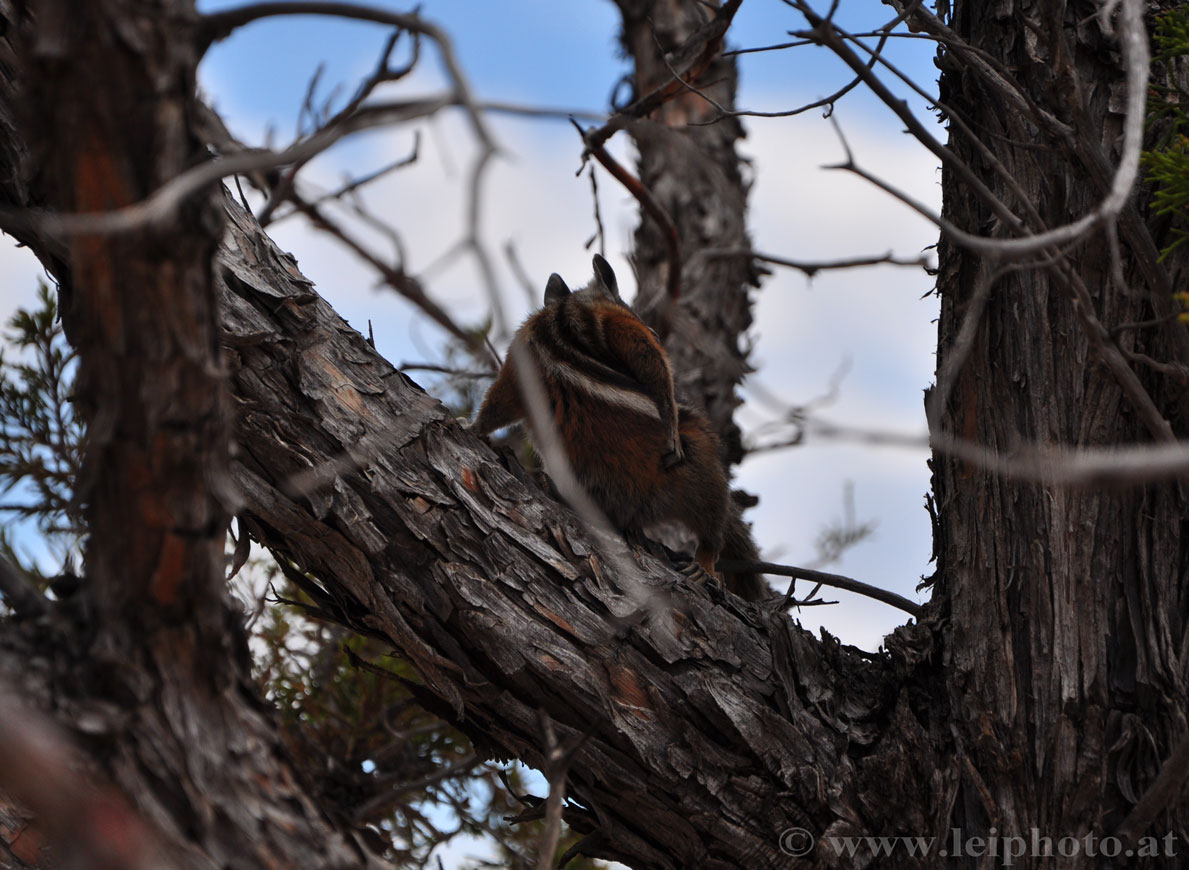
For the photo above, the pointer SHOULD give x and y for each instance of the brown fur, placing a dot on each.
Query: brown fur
(642, 457)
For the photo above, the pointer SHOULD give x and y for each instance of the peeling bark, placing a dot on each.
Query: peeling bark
(714, 725)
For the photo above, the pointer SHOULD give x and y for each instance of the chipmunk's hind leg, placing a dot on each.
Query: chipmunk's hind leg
(700, 569)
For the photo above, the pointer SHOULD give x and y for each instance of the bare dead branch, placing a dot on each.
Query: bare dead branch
(600, 234)
(1098, 335)
(835, 581)
(651, 206)
(517, 267)
(474, 241)
(883, 33)
(834, 39)
(1120, 466)
(162, 205)
(393, 276)
(556, 767)
(800, 43)
(220, 24)
(811, 268)
(165, 201)
(440, 369)
(1133, 40)
(381, 74)
(689, 61)
(500, 107)
(957, 121)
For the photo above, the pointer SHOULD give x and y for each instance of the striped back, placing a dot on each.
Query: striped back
(568, 339)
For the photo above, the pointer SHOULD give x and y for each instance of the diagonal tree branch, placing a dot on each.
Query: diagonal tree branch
(503, 602)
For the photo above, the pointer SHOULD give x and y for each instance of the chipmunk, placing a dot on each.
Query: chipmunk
(641, 456)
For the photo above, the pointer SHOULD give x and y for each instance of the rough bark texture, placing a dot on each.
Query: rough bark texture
(148, 661)
(1065, 611)
(1043, 689)
(694, 173)
(714, 725)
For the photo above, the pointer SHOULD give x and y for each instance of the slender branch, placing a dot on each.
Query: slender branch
(517, 267)
(1120, 466)
(1133, 39)
(382, 73)
(440, 369)
(651, 206)
(219, 25)
(876, 55)
(831, 37)
(957, 121)
(403, 284)
(163, 203)
(800, 43)
(557, 762)
(600, 233)
(811, 268)
(690, 60)
(824, 578)
(1097, 334)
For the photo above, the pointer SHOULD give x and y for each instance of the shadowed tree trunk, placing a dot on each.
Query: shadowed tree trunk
(692, 169)
(1044, 688)
(99, 106)
(1064, 611)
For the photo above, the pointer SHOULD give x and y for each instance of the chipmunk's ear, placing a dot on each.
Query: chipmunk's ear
(606, 276)
(555, 289)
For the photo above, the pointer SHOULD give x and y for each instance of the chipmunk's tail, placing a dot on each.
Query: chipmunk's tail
(739, 544)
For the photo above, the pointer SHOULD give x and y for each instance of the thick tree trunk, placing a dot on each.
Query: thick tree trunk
(99, 105)
(1066, 612)
(692, 169)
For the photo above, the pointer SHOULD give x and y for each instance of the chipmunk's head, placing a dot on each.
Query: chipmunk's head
(602, 286)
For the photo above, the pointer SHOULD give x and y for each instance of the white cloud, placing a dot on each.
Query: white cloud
(872, 318)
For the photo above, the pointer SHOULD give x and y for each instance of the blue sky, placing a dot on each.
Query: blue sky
(541, 52)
